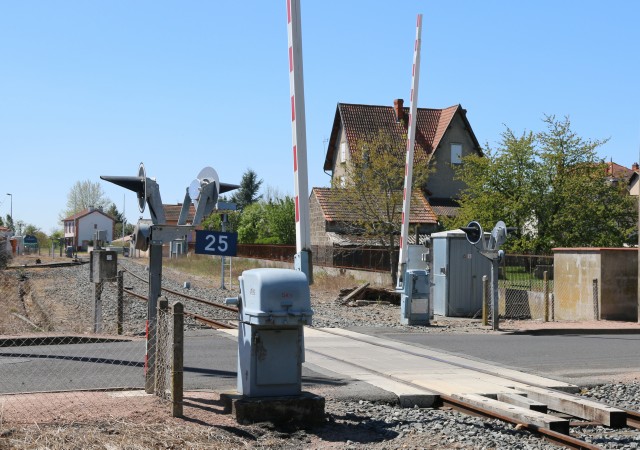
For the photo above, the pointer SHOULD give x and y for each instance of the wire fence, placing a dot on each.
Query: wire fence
(69, 355)
(361, 258)
(526, 287)
(57, 371)
(169, 355)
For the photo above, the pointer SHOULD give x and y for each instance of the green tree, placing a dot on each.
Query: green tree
(552, 187)
(84, 194)
(248, 192)
(268, 222)
(280, 221)
(30, 229)
(8, 222)
(501, 185)
(373, 187)
(120, 222)
(252, 223)
(214, 221)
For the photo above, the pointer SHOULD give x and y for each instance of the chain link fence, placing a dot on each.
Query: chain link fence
(170, 355)
(55, 366)
(526, 287)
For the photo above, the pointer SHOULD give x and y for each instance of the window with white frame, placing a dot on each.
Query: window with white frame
(343, 151)
(456, 153)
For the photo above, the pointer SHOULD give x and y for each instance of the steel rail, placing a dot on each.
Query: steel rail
(210, 322)
(142, 297)
(633, 419)
(48, 265)
(186, 313)
(550, 435)
(195, 299)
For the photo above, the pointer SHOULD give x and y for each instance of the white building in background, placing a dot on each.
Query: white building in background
(80, 228)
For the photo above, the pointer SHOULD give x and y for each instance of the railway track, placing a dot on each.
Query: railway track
(76, 262)
(213, 323)
(573, 412)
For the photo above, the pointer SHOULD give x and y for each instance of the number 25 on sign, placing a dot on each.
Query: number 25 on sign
(216, 243)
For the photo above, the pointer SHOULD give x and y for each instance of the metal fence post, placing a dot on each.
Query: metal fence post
(155, 286)
(485, 298)
(495, 305)
(97, 307)
(159, 383)
(596, 305)
(120, 305)
(545, 293)
(177, 360)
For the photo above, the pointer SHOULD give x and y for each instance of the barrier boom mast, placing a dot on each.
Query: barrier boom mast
(411, 140)
(302, 259)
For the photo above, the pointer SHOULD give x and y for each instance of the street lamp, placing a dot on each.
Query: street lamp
(11, 195)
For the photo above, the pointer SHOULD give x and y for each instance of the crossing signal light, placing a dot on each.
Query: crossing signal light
(473, 231)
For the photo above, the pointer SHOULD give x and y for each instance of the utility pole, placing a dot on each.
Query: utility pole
(11, 212)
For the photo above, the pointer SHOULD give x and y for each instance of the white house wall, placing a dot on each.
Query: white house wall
(92, 222)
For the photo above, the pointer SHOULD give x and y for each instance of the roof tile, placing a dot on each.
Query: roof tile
(335, 210)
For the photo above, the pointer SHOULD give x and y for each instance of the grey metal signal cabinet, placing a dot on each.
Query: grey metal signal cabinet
(458, 268)
(274, 304)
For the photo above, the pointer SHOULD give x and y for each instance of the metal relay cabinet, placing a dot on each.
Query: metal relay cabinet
(274, 304)
(457, 273)
(414, 304)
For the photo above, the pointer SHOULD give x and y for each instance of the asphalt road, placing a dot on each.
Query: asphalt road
(210, 360)
(573, 357)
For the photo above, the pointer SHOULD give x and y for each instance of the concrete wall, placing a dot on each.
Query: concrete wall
(317, 223)
(339, 167)
(619, 284)
(616, 272)
(375, 278)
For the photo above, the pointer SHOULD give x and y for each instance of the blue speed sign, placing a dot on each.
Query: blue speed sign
(216, 243)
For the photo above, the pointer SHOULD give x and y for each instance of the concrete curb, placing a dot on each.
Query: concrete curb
(569, 331)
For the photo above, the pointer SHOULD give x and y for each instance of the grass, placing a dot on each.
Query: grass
(204, 265)
(209, 266)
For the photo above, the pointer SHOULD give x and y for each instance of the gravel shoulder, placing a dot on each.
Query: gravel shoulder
(56, 302)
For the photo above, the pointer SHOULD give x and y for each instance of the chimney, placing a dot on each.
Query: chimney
(398, 107)
(635, 167)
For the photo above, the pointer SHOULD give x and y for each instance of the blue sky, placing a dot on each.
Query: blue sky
(95, 88)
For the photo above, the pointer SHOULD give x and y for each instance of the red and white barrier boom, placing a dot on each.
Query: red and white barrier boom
(411, 140)
(302, 260)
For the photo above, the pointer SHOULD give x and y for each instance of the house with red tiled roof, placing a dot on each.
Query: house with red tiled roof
(443, 138)
(333, 225)
(617, 173)
(79, 229)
